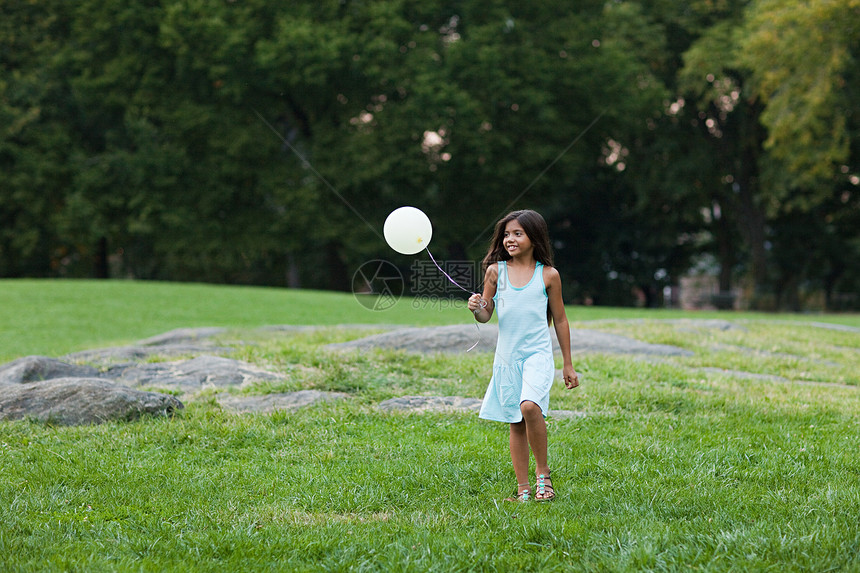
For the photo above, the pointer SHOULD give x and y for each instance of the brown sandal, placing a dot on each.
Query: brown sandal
(518, 495)
(545, 491)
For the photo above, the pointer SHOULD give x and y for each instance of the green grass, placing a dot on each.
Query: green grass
(672, 467)
(55, 317)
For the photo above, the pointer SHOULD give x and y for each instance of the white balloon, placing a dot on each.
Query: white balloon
(407, 230)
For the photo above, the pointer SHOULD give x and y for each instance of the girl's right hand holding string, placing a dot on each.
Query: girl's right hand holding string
(476, 303)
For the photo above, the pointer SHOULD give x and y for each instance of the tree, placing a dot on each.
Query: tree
(457, 108)
(802, 61)
(265, 142)
(800, 56)
(34, 143)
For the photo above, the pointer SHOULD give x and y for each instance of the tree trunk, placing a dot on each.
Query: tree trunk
(101, 269)
(338, 278)
(753, 220)
(650, 293)
(293, 276)
(830, 280)
(788, 294)
(725, 248)
(753, 229)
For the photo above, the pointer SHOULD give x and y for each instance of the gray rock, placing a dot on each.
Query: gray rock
(430, 404)
(178, 342)
(458, 338)
(566, 414)
(137, 353)
(742, 374)
(69, 393)
(191, 375)
(76, 401)
(183, 336)
(461, 338)
(824, 325)
(303, 328)
(452, 404)
(186, 375)
(771, 378)
(594, 341)
(37, 368)
(274, 402)
(694, 325)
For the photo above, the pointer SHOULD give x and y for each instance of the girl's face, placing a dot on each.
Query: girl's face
(515, 240)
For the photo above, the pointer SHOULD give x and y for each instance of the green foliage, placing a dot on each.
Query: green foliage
(763, 87)
(800, 55)
(34, 144)
(132, 142)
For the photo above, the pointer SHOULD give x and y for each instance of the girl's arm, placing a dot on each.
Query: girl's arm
(482, 305)
(552, 280)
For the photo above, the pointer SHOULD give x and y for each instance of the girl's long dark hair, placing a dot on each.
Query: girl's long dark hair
(535, 227)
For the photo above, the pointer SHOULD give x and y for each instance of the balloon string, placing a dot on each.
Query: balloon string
(477, 341)
(476, 324)
(441, 270)
(446, 274)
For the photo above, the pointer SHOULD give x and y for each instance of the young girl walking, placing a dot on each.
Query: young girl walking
(521, 284)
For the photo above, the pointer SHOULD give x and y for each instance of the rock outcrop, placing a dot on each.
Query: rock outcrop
(75, 401)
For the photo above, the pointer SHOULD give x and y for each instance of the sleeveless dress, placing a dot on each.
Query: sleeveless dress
(523, 368)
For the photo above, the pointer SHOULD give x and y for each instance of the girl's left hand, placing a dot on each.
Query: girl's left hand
(571, 378)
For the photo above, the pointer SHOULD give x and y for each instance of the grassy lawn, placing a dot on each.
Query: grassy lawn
(744, 456)
(60, 316)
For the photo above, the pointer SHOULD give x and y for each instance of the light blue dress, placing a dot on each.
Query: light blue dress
(523, 368)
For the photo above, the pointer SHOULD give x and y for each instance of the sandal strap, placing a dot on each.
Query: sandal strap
(542, 485)
(525, 493)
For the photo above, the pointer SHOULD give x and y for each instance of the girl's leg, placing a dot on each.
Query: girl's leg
(535, 426)
(520, 454)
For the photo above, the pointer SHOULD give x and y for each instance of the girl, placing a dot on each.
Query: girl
(522, 284)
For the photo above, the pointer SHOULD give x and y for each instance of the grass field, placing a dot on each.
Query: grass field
(57, 317)
(744, 456)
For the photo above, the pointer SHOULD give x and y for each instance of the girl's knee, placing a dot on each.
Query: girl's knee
(527, 407)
